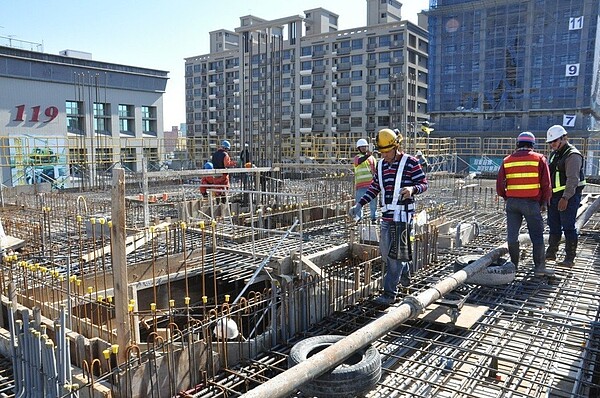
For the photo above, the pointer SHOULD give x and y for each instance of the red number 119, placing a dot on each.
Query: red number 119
(51, 113)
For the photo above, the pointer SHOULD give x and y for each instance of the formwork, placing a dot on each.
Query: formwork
(219, 293)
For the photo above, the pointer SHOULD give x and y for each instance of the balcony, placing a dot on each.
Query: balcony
(343, 127)
(343, 50)
(346, 81)
(370, 126)
(318, 69)
(318, 54)
(318, 127)
(396, 61)
(318, 84)
(371, 63)
(371, 110)
(344, 66)
(318, 113)
(343, 112)
(371, 79)
(343, 97)
(371, 47)
(371, 95)
(318, 98)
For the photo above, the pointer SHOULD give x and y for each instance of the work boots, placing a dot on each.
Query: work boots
(553, 242)
(513, 252)
(539, 262)
(541, 270)
(571, 252)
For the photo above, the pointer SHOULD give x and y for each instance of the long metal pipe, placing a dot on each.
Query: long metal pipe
(289, 381)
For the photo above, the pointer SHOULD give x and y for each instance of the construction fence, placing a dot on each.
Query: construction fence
(80, 162)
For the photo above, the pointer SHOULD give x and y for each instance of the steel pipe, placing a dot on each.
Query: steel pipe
(289, 381)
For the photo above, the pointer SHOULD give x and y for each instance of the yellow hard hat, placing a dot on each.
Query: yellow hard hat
(388, 139)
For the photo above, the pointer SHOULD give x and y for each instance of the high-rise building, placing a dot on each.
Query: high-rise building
(298, 89)
(498, 67)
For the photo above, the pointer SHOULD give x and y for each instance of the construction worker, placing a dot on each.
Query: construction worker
(206, 181)
(422, 161)
(364, 169)
(568, 181)
(398, 178)
(524, 183)
(221, 160)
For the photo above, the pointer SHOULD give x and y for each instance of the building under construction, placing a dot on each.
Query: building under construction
(152, 290)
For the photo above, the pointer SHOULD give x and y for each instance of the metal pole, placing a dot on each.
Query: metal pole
(287, 382)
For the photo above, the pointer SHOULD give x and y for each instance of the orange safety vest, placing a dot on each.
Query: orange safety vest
(523, 175)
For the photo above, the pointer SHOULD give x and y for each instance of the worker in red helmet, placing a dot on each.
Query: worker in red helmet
(524, 183)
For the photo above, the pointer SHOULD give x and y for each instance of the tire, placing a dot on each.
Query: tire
(357, 374)
(501, 272)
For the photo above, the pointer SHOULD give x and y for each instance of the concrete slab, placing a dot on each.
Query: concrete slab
(468, 315)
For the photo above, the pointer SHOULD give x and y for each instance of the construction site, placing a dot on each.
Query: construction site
(139, 286)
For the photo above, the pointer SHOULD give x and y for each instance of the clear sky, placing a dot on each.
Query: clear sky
(157, 34)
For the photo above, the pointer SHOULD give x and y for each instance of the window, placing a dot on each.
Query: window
(357, 75)
(103, 159)
(356, 121)
(126, 119)
(357, 44)
(357, 59)
(151, 155)
(356, 106)
(75, 117)
(356, 91)
(149, 125)
(101, 118)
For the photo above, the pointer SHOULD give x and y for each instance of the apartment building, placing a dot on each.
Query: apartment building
(298, 89)
(498, 67)
(67, 119)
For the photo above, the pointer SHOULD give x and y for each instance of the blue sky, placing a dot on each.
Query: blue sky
(156, 34)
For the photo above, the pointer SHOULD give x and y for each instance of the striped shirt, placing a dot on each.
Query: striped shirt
(412, 176)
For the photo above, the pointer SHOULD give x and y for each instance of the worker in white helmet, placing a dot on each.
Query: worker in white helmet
(364, 169)
(568, 181)
(398, 178)
(422, 161)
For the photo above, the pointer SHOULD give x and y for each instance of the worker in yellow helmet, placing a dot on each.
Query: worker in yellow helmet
(398, 178)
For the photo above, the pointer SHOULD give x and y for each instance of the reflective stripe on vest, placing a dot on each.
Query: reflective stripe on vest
(400, 211)
(523, 176)
(363, 173)
(557, 186)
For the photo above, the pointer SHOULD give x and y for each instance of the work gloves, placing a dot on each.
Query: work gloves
(354, 212)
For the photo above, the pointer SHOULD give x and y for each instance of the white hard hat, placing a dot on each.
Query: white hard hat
(419, 153)
(226, 329)
(362, 142)
(555, 132)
